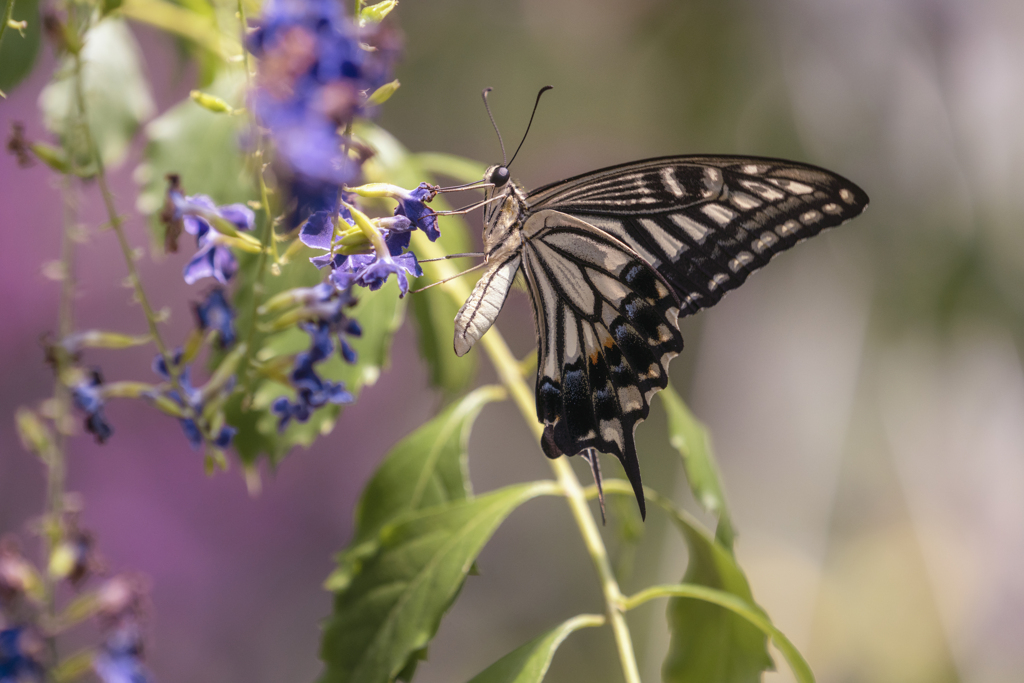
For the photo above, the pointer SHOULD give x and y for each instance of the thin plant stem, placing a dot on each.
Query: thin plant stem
(116, 223)
(53, 517)
(508, 370)
(258, 160)
(8, 13)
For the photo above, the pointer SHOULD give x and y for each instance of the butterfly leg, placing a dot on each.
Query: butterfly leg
(590, 455)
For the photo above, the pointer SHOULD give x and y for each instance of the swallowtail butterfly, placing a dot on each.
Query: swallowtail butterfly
(613, 258)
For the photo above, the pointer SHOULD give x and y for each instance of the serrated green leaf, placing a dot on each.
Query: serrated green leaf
(199, 146)
(426, 468)
(688, 436)
(529, 663)
(394, 604)
(710, 644)
(117, 96)
(18, 53)
(433, 309)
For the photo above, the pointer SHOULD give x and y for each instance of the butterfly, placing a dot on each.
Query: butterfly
(614, 258)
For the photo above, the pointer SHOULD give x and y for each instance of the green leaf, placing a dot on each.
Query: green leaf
(753, 614)
(394, 604)
(721, 636)
(117, 97)
(691, 439)
(529, 663)
(426, 468)
(17, 52)
(710, 644)
(433, 309)
(201, 147)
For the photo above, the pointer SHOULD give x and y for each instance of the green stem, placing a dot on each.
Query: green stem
(117, 224)
(8, 13)
(755, 616)
(508, 371)
(267, 235)
(53, 526)
(115, 221)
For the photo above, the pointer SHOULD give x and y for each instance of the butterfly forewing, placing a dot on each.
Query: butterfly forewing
(706, 223)
(613, 258)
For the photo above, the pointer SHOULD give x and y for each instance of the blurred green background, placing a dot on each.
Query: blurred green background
(865, 392)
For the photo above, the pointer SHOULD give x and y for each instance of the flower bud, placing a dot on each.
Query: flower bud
(211, 102)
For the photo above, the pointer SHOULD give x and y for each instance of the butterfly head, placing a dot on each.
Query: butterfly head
(497, 175)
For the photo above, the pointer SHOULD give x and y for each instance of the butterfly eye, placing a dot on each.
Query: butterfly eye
(499, 176)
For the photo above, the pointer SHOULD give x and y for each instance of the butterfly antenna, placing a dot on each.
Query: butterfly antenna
(542, 91)
(491, 116)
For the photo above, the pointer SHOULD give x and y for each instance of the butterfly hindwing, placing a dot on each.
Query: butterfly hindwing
(705, 223)
(607, 330)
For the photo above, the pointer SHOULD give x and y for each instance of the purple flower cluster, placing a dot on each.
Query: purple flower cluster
(316, 75)
(192, 398)
(372, 270)
(328, 304)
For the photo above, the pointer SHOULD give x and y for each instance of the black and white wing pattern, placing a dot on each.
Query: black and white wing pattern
(614, 257)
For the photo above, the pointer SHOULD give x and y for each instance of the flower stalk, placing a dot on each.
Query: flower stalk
(508, 369)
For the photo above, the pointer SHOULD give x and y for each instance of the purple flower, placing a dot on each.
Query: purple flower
(192, 398)
(313, 391)
(413, 206)
(193, 215)
(372, 271)
(318, 232)
(215, 313)
(120, 658)
(88, 397)
(19, 651)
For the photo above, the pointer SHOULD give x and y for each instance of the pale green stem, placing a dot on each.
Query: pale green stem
(508, 369)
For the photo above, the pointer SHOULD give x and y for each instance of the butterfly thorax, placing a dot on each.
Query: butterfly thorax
(503, 222)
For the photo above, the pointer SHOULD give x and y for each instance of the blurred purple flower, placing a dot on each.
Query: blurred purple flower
(120, 658)
(88, 398)
(192, 398)
(19, 651)
(215, 313)
(193, 214)
(315, 76)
